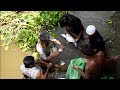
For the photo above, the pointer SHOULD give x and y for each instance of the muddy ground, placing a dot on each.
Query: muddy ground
(109, 31)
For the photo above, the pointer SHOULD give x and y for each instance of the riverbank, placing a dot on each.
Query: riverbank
(106, 22)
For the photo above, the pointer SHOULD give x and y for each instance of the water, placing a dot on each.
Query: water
(10, 62)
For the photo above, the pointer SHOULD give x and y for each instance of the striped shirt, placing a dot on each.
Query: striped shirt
(30, 72)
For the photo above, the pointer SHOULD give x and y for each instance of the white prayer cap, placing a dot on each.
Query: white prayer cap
(90, 30)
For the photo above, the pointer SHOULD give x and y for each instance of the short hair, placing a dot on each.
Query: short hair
(43, 36)
(28, 60)
(87, 50)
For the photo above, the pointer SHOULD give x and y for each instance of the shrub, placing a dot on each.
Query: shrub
(23, 27)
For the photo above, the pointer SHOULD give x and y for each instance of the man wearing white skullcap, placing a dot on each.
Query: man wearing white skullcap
(95, 39)
(90, 30)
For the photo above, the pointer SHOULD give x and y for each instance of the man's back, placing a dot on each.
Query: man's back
(94, 65)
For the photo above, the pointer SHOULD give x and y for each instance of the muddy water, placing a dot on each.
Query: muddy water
(10, 62)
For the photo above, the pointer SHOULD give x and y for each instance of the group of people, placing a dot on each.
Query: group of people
(94, 51)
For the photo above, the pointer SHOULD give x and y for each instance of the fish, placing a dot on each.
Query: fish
(69, 38)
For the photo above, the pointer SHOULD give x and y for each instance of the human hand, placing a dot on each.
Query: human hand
(49, 65)
(62, 47)
(74, 67)
(60, 50)
(76, 39)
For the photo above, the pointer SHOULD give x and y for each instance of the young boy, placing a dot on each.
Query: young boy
(32, 71)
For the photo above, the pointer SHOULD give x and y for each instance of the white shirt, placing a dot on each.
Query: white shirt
(30, 72)
(40, 49)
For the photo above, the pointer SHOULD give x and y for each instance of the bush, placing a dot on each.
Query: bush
(23, 27)
(107, 76)
(26, 40)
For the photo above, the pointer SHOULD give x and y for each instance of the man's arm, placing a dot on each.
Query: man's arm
(72, 34)
(56, 42)
(115, 58)
(88, 40)
(44, 57)
(52, 56)
(79, 36)
(40, 75)
(66, 30)
(41, 62)
(110, 64)
(80, 72)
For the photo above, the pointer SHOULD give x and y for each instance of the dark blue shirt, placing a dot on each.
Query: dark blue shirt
(97, 41)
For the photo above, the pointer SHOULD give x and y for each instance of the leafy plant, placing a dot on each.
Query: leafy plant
(107, 76)
(24, 26)
(26, 39)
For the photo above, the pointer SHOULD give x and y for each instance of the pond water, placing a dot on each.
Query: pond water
(10, 62)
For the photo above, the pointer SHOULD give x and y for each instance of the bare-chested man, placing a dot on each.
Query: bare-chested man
(95, 63)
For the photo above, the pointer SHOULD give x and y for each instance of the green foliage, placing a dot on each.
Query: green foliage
(107, 76)
(51, 18)
(8, 27)
(35, 55)
(23, 27)
(26, 39)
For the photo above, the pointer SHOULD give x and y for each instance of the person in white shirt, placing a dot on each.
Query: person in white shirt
(32, 71)
(44, 49)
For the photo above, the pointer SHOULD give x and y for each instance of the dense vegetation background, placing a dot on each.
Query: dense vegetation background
(23, 27)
